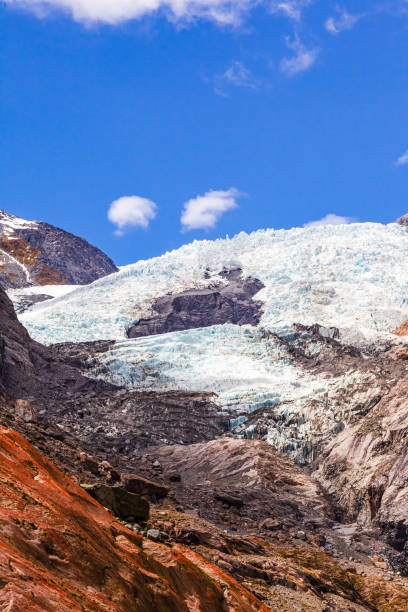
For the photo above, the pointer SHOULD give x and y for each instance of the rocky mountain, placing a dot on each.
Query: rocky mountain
(36, 253)
(240, 406)
(245, 530)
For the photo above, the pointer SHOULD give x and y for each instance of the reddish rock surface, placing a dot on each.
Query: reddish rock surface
(402, 330)
(60, 550)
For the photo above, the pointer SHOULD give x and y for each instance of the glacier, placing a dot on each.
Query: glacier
(352, 277)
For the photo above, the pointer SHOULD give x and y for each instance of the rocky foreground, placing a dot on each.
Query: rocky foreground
(172, 511)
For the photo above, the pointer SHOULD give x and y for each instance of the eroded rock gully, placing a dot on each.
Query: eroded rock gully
(244, 510)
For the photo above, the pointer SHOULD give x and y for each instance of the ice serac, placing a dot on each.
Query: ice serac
(351, 277)
(36, 253)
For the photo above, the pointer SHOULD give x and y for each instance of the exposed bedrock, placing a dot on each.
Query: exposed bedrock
(365, 469)
(194, 308)
(25, 301)
(60, 550)
(261, 488)
(36, 253)
(103, 416)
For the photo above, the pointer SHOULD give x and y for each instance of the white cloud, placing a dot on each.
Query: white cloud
(131, 211)
(237, 75)
(203, 212)
(223, 12)
(403, 159)
(302, 60)
(345, 21)
(289, 8)
(330, 219)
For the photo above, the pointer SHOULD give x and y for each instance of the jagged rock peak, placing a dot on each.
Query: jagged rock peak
(36, 253)
(403, 220)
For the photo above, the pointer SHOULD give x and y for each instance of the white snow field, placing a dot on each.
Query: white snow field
(353, 277)
(54, 290)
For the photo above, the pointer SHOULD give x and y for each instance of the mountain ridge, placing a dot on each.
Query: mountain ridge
(37, 253)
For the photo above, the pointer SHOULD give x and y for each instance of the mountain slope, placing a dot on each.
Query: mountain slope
(60, 550)
(352, 277)
(308, 360)
(36, 253)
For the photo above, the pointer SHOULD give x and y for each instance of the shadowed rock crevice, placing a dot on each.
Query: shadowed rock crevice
(194, 308)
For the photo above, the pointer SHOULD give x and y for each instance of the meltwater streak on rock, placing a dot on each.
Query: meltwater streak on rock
(36, 253)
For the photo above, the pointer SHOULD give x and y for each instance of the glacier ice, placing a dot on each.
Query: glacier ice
(353, 277)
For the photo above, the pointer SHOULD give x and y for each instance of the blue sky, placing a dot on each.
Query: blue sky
(230, 116)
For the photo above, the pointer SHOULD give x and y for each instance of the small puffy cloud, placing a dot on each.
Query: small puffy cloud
(302, 60)
(131, 211)
(204, 211)
(330, 219)
(345, 21)
(403, 159)
(223, 12)
(237, 75)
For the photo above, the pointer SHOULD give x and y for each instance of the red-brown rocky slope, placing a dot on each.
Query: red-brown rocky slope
(60, 550)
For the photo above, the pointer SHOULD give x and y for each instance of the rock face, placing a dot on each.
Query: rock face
(106, 418)
(403, 220)
(366, 470)
(36, 253)
(60, 550)
(119, 501)
(250, 477)
(231, 303)
(272, 526)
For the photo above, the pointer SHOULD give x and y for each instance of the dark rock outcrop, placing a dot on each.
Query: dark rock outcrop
(25, 301)
(122, 503)
(194, 308)
(142, 486)
(36, 253)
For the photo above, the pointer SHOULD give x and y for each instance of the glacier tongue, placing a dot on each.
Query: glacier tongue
(250, 371)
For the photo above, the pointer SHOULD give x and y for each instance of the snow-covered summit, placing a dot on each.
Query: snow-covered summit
(9, 223)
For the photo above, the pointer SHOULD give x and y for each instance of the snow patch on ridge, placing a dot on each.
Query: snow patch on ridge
(9, 223)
